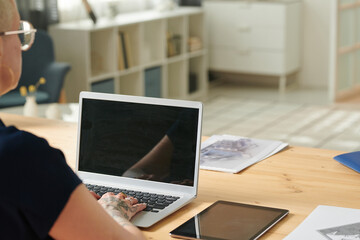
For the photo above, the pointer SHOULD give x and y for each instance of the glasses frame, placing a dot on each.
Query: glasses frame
(31, 31)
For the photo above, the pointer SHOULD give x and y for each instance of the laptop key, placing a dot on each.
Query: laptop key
(148, 209)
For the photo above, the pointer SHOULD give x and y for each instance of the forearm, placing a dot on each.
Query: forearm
(124, 223)
(84, 218)
(128, 226)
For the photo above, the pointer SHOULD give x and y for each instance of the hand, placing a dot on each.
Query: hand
(120, 205)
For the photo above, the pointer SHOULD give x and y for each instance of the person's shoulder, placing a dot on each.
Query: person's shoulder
(13, 140)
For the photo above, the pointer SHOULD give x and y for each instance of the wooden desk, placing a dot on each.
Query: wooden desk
(297, 179)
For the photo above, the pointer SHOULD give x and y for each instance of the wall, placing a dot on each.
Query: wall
(316, 43)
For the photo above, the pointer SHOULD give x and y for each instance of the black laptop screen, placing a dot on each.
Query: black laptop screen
(135, 140)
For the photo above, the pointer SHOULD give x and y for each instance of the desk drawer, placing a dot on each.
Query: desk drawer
(261, 62)
(254, 38)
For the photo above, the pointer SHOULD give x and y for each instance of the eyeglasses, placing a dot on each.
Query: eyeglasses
(26, 34)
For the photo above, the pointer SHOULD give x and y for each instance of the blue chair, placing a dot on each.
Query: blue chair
(39, 62)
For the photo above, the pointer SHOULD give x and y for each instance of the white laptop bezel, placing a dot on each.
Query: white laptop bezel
(119, 181)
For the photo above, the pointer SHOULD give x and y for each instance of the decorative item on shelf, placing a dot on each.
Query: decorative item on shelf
(112, 8)
(173, 44)
(89, 11)
(30, 107)
(194, 44)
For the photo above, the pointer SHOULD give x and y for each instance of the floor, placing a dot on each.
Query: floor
(302, 117)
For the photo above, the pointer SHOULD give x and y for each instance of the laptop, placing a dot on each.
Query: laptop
(148, 148)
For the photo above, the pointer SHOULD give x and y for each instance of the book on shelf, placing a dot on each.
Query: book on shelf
(121, 61)
(129, 53)
(228, 153)
(125, 54)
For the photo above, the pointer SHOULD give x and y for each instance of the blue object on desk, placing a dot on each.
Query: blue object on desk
(351, 160)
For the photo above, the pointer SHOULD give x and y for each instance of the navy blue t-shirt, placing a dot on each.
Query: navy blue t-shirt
(36, 183)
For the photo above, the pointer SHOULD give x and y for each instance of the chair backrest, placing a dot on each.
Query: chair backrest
(36, 59)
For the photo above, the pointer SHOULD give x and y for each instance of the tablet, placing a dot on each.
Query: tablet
(230, 220)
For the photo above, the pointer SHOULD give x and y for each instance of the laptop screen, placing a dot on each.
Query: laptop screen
(138, 140)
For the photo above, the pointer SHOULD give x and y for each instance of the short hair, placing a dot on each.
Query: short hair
(6, 15)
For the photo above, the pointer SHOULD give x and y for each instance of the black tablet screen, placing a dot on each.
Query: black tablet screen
(229, 220)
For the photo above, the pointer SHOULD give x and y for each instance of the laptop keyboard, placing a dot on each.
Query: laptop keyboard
(154, 202)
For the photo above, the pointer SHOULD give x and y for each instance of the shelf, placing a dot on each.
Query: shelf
(197, 53)
(101, 76)
(153, 41)
(131, 84)
(196, 33)
(176, 80)
(176, 58)
(129, 71)
(102, 52)
(196, 75)
(175, 36)
(153, 64)
(143, 54)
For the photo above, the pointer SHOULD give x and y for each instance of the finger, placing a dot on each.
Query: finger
(129, 200)
(122, 195)
(108, 194)
(135, 201)
(95, 195)
(139, 207)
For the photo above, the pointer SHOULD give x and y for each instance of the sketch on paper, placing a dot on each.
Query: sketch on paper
(344, 232)
(229, 153)
(228, 149)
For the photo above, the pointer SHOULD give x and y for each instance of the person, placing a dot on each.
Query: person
(41, 197)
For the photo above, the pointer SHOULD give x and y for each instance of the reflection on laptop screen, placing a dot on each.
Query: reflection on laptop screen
(144, 141)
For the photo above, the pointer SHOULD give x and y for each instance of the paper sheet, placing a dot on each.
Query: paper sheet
(232, 154)
(329, 223)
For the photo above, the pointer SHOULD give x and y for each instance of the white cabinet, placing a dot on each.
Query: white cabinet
(254, 37)
(159, 60)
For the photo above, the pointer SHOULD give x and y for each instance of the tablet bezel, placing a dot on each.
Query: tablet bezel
(179, 233)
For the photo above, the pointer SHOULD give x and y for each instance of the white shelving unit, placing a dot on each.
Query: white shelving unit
(94, 53)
